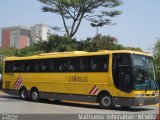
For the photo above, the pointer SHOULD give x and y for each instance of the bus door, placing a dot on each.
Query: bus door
(122, 72)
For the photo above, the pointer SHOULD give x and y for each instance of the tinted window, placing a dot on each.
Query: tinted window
(8, 66)
(121, 64)
(46, 65)
(75, 64)
(99, 63)
(29, 66)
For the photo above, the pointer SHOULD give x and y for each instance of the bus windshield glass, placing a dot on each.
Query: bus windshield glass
(145, 76)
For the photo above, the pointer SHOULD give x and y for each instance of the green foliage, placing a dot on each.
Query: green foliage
(56, 43)
(99, 43)
(28, 51)
(157, 59)
(133, 48)
(75, 11)
(8, 51)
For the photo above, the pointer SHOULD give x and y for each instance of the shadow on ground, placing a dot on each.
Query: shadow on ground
(77, 104)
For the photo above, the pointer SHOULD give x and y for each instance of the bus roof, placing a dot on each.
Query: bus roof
(74, 54)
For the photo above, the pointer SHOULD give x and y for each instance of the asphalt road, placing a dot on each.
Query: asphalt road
(13, 105)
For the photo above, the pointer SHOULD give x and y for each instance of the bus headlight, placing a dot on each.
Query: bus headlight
(156, 94)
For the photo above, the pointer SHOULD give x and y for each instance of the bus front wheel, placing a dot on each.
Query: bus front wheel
(23, 94)
(35, 95)
(105, 101)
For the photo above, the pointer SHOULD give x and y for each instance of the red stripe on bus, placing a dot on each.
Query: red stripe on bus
(16, 82)
(19, 80)
(92, 89)
(19, 83)
(95, 91)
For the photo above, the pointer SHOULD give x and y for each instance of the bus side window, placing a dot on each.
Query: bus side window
(71, 68)
(85, 64)
(46, 65)
(74, 64)
(55, 65)
(27, 67)
(99, 63)
(64, 66)
(60, 68)
(60, 65)
(38, 66)
(32, 65)
(8, 66)
(17, 66)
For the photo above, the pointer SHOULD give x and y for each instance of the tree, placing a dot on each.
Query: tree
(100, 42)
(156, 53)
(74, 11)
(56, 43)
(28, 51)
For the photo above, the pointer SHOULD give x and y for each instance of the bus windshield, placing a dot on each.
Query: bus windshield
(145, 77)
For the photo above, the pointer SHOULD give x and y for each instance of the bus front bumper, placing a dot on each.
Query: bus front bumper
(138, 101)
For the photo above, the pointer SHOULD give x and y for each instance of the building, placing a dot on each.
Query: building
(17, 37)
(20, 37)
(39, 32)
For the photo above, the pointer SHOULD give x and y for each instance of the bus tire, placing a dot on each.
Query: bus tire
(105, 101)
(23, 94)
(35, 95)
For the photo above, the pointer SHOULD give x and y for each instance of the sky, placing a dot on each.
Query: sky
(137, 26)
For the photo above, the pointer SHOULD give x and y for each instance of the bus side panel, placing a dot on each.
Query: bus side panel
(72, 83)
(10, 80)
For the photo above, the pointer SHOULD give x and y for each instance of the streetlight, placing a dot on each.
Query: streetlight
(97, 25)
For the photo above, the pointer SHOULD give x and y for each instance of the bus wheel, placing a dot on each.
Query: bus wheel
(105, 101)
(23, 94)
(35, 95)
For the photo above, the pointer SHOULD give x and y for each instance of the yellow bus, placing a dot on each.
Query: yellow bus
(123, 77)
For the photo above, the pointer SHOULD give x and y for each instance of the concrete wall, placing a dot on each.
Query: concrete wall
(23, 41)
(5, 40)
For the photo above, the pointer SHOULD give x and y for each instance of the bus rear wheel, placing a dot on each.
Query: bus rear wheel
(35, 95)
(23, 94)
(105, 101)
